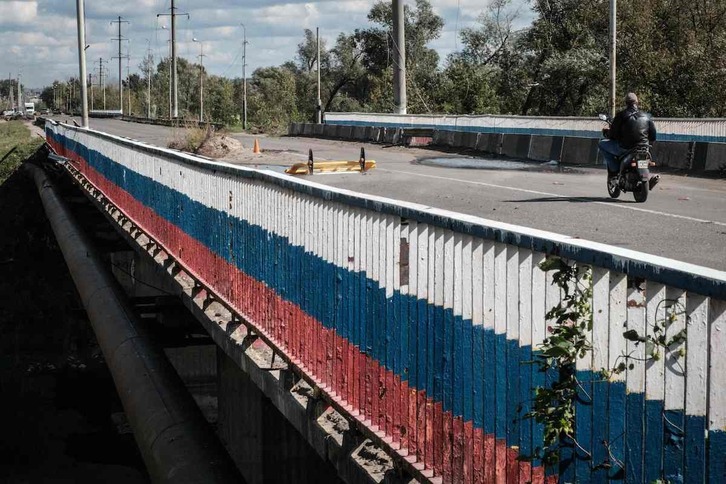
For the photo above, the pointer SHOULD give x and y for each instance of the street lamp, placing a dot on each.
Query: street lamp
(201, 78)
(163, 27)
(244, 77)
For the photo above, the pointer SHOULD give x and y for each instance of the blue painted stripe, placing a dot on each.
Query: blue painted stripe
(479, 388)
(717, 457)
(599, 431)
(616, 425)
(513, 401)
(526, 392)
(250, 257)
(695, 443)
(635, 425)
(673, 440)
(583, 426)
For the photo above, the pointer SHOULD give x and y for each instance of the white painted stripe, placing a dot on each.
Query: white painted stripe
(655, 369)
(697, 355)
(489, 274)
(636, 322)
(601, 318)
(512, 292)
(538, 301)
(500, 288)
(675, 388)
(477, 282)
(525, 297)
(717, 370)
(618, 316)
(448, 269)
(466, 262)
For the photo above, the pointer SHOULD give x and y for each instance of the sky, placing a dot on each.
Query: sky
(39, 37)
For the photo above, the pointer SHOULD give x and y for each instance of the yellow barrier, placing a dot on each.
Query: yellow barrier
(329, 167)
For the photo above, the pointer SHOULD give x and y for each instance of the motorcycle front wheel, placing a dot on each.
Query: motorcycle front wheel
(613, 188)
(641, 192)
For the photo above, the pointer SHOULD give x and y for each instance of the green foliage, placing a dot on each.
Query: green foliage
(570, 322)
(14, 134)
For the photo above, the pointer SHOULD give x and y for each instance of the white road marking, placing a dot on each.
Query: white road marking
(557, 195)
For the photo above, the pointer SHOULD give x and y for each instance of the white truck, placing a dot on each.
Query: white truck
(30, 109)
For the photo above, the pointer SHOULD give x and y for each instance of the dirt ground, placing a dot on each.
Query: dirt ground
(60, 417)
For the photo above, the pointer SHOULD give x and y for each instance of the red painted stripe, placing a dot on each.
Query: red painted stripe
(478, 456)
(257, 302)
(500, 460)
(448, 447)
(490, 468)
(457, 460)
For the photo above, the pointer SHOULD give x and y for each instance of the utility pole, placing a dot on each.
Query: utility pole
(20, 95)
(149, 64)
(319, 109)
(244, 77)
(12, 91)
(173, 14)
(120, 57)
(201, 78)
(81, 18)
(399, 58)
(90, 82)
(128, 80)
(613, 54)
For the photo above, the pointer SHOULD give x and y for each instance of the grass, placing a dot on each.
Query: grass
(15, 134)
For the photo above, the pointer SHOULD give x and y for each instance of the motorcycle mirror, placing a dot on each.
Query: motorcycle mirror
(602, 117)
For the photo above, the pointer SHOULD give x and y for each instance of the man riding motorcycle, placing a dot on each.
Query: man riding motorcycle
(630, 129)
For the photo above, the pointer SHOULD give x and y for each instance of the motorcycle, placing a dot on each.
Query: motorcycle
(634, 174)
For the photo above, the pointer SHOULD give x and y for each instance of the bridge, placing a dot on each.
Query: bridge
(400, 341)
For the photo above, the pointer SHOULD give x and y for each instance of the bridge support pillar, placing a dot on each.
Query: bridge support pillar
(263, 444)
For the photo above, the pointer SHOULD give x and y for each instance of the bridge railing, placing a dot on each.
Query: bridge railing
(423, 323)
(712, 130)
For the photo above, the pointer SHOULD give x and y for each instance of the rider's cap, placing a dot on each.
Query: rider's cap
(631, 98)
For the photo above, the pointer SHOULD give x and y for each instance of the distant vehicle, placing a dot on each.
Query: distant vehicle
(30, 109)
(9, 112)
(45, 112)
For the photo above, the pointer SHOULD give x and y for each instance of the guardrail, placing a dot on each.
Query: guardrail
(172, 122)
(706, 130)
(421, 323)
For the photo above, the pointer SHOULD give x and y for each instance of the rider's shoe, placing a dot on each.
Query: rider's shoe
(653, 181)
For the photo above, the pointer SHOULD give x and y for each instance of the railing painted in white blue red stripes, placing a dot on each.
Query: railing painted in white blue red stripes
(423, 321)
(711, 130)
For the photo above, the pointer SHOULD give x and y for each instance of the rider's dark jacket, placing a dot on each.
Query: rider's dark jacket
(632, 128)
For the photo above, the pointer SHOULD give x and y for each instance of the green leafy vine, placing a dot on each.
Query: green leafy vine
(570, 323)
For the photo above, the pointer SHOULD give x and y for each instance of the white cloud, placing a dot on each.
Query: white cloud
(39, 37)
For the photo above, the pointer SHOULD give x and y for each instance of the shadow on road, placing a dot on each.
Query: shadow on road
(571, 200)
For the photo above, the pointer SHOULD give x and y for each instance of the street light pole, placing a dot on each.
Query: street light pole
(173, 73)
(613, 55)
(399, 58)
(319, 108)
(201, 79)
(244, 77)
(80, 16)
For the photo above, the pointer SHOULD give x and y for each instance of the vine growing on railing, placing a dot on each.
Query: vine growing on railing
(570, 323)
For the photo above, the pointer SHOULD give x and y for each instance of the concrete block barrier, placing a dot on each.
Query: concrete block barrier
(489, 143)
(375, 134)
(293, 129)
(469, 140)
(345, 132)
(457, 139)
(307, 129)
(360, 133)
(716, 157)
(672, 154)
(515, 145)
(330, 130)
(545, 148)
(580, 151)
(318, 129)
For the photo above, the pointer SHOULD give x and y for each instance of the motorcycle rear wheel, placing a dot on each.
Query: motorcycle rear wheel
(613, 188)
(641, 193)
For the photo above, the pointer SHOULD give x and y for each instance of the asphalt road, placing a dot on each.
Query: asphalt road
(683, 219)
